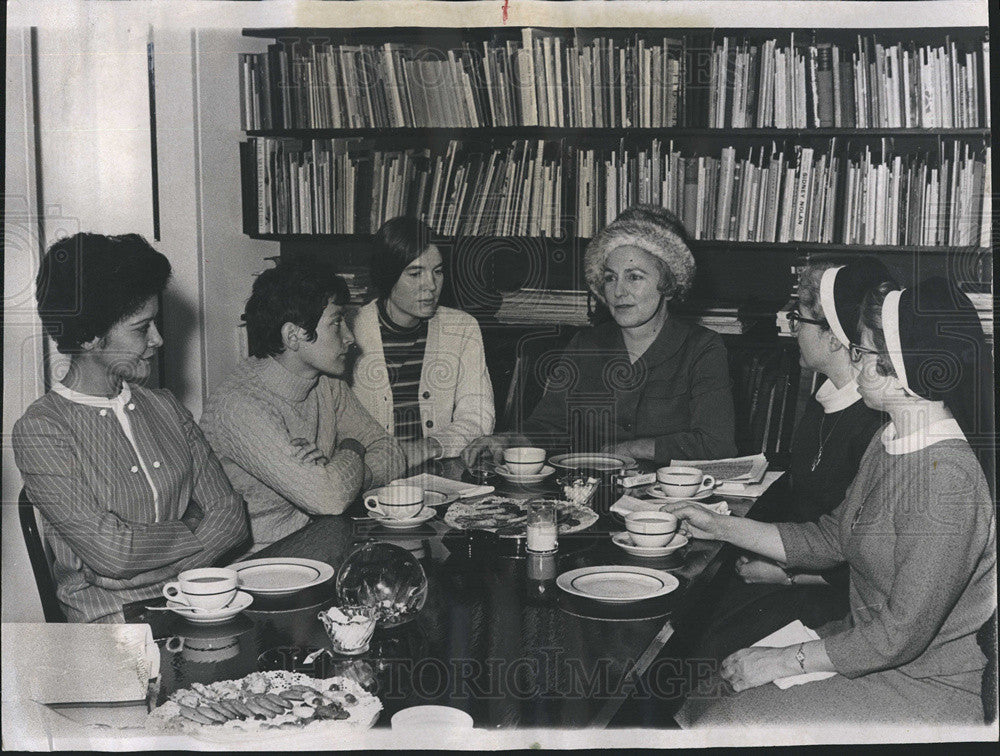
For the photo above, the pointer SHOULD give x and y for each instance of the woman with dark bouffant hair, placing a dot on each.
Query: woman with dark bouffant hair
(917, 529)
(644, 384)
(130, 492)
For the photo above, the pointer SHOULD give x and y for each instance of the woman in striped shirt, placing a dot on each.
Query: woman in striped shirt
(128, 488)
(422, 372)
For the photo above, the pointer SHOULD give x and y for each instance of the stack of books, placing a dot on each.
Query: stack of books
(717, 318)
(550, 306)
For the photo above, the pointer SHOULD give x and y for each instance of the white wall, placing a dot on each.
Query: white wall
(96, 175)
(22, 352)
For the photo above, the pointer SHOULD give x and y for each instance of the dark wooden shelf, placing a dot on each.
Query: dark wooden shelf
(699, 245)
(495, 132)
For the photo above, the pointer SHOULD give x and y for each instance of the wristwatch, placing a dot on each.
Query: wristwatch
(800, 657)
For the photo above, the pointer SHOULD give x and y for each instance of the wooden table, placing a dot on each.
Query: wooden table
(507, 647)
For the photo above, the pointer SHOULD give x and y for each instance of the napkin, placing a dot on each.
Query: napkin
(430, 482)
(78, 664)
(627, 504)
(793, 634)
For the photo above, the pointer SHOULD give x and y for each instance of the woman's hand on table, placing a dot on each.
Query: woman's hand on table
(751, 667)
(421, 450)
(698, 522)
(491, 446)
(639, 448)
(306, 451)
(754, 570)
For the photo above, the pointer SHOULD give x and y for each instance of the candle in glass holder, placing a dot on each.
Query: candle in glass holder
(543, 531)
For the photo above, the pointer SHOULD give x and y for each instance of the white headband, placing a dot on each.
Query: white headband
(830, 306)
(890, 328)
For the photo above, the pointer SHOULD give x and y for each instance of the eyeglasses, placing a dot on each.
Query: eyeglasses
(795, 317)
(856, 351)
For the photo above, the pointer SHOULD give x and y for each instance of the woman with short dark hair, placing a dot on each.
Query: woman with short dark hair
(422, 371)
(292, 437)
(129, 490)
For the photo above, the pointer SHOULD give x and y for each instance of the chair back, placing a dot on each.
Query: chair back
(40, 564)
(987, 639)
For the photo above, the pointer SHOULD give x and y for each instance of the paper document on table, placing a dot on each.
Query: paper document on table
(627, 504)
(76, 663)
(446, 485)
(791, 635)
(749, 490)
(749, 469)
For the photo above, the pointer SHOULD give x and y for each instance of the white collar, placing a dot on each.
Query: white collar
(94, 401)
(923, 437)
(836, 399)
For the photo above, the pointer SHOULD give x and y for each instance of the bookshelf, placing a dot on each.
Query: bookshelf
(516, 144)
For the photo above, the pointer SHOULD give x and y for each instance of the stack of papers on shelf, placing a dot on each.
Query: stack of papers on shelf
(78, 664)
(793, 634)
(782, 321)
(718, 319)
(983, 302)
(530, 306)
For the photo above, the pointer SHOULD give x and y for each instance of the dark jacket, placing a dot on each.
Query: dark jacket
(678, 393)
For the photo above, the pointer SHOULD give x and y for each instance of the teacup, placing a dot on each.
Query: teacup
(683, 481)
(524, 460)
(396, 502)
(204, 650)
(651, 529)
(206, 588)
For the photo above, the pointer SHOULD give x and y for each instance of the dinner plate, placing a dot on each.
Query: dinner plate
(657, 493)
(431, 716)
(392, 523)
(624, 542)
(597, 462)
(212, 616)
(537, 477)
(617, 584)
(431, 498)
(280, 576)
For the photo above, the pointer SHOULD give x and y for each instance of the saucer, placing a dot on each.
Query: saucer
(423, 516)
(537, 477)
(657, 493)
(624, 542)
(212, 616)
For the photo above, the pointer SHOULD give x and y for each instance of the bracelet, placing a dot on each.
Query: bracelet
(800, 657)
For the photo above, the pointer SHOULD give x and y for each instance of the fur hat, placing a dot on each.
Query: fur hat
(652, 229)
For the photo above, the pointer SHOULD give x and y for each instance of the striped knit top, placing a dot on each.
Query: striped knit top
(112, 479)
(404, 359)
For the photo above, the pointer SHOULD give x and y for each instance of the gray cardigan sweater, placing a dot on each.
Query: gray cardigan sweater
(919, 533)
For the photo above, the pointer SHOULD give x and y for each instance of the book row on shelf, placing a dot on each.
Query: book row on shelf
(822, 193)
(639, 80)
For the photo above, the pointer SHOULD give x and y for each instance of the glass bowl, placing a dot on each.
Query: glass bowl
(349, 628)
(386, 578)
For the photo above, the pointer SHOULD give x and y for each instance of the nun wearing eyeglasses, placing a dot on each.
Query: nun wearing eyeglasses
(917, 529)
(829, 442)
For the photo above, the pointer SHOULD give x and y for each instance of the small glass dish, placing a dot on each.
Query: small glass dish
(349, 628)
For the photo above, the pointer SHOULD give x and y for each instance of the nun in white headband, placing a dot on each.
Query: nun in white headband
(916, 528)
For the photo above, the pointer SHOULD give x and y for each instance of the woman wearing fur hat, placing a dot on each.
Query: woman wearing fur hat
(643, 384)
(917, 529)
